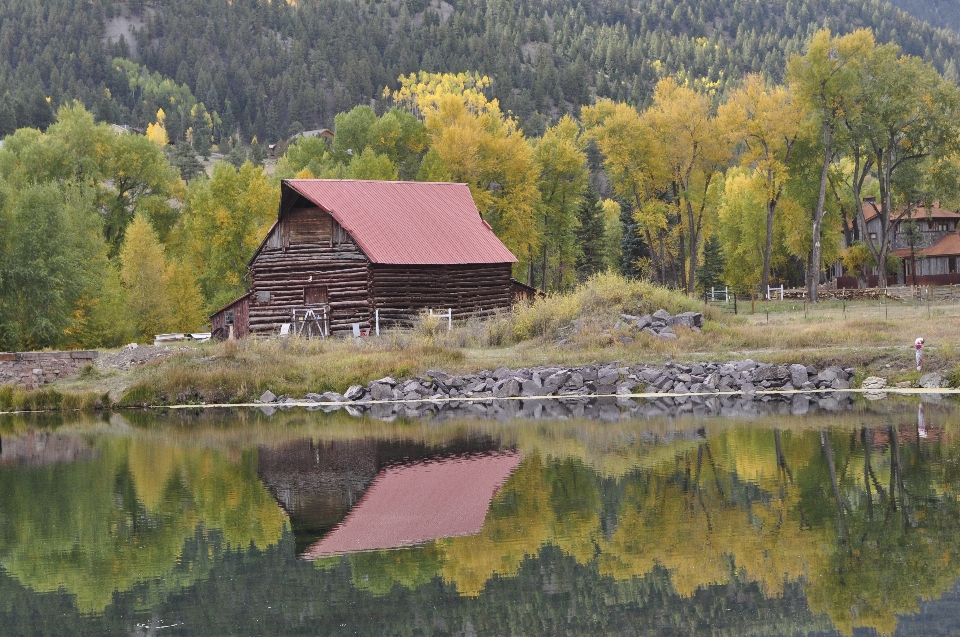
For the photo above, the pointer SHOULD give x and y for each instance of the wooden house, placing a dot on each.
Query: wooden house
(351, 252)
(935, 256)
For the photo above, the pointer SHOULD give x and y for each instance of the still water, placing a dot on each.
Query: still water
(300, 523)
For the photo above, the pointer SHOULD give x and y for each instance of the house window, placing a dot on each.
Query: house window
(952, 264)
(908, 268)
(263, 297)
(942, 227)
(873, 236)
(315, 295)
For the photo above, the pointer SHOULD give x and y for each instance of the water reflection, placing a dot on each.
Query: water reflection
(773, 525)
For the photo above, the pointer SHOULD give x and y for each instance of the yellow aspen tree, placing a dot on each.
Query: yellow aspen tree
(767, 120)
(157, 132)
(637, 169)
(144, 274)
(473, 142)
(695, 153)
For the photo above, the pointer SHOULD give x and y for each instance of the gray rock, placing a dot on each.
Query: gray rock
(662, 315)
(268, 397)
(332, 397)
(608, 376)
(530, 388)
(828, 375)
(501, 373)
(387, 380)
(841, 383)
(555, 382)
(627, 387)
(381, 391)
(873, 382)
(354, 392)
(644, 321)
(798, 375)
(507, 388)
(666, 335)
(927, 381)
(575, 381)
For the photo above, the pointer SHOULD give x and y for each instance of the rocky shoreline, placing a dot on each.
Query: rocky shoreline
(604, 391)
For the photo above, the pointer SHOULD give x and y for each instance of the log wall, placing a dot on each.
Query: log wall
(241, 319)
(401, 291)
(308, 249)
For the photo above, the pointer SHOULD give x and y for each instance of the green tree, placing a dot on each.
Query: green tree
(824, 79)
(590, 236)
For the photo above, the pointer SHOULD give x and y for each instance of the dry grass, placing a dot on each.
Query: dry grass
(580, 327)
(237, 371)
(50, 399)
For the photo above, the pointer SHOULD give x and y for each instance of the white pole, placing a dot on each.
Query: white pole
(377, 314)
(450, 319)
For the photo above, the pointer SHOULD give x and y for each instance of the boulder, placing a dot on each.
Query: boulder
(931, 381)
(354, 392)
(501, 373)
(662, 315)
(507, 388)
(331, 397)
(381, 391)
(644, 321)
(798, 375)
(555, 382)
(873, 382)
(268, 397)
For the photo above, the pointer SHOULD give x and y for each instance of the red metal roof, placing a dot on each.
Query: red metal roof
(420, 502)
(948, 246)
(871, 210)
(408, 222)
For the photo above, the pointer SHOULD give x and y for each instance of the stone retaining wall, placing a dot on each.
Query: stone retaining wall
(33, 369)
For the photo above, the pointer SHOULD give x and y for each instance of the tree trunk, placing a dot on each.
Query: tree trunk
(767, 249)
(813, 272)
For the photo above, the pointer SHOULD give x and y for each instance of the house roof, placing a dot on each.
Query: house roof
(420, 502)
(230, 304)
(872, 211)
(407, 222)
(948, 246)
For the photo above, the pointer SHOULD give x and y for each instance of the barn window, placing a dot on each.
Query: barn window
(952, 264)
(315, 295)
(263, 297)
(873, 236)
(228, 317)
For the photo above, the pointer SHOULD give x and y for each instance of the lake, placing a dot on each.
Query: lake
(548, 521)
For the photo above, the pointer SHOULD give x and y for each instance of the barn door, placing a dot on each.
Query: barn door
(315, 295)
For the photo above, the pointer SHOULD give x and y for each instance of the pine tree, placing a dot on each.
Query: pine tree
(185, 158)
(590, 236)
(710, 273)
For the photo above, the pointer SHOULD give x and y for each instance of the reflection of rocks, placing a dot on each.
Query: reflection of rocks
(42, 448)
(612, 408)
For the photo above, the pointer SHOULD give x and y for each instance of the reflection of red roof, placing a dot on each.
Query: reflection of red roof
(420, 502)
(406, 222)
(871, 211)
(948, 246)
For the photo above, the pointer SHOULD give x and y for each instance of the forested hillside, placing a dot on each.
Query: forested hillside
(940, 13)
(271, 68)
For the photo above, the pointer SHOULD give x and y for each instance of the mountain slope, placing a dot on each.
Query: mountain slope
(270, 68)
(939, 13)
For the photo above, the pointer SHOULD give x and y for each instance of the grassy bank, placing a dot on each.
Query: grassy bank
(580, 327)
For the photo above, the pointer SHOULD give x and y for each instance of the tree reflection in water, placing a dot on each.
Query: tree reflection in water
(625, 528)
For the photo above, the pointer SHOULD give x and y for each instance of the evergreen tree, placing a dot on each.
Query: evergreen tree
(256, 153)
(710, 273)
(185, 159)
(590, 236)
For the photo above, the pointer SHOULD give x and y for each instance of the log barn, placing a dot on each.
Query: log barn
(351, 250)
